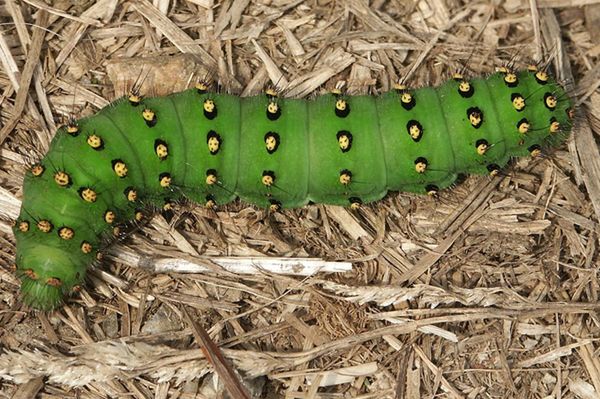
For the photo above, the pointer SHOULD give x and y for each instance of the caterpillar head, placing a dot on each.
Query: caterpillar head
(47, 275)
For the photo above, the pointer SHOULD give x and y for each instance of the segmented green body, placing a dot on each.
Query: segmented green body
(277, 152)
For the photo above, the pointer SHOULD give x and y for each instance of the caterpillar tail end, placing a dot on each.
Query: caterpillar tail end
(48, 275)
(39, 295)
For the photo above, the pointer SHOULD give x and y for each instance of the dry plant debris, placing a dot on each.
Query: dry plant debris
(489, 292)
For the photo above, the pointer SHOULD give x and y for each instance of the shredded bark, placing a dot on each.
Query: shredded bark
(490, 291)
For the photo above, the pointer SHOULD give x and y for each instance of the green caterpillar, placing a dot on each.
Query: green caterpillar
(141, 153)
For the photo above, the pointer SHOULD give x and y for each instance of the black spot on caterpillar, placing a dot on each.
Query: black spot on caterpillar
(272, 152)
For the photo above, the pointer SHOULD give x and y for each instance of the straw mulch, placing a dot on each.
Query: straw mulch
(490, 291)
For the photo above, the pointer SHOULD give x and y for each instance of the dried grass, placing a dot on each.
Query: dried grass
(489, 292)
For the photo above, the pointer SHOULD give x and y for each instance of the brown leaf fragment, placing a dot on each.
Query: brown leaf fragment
(215, 357)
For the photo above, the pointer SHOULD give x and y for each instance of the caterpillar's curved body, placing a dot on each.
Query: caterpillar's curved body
(211, 148)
